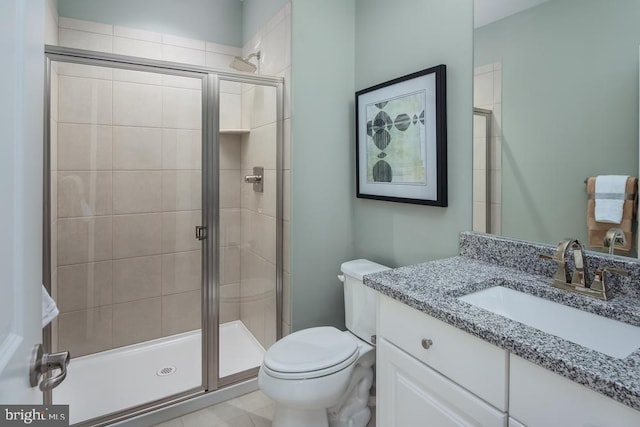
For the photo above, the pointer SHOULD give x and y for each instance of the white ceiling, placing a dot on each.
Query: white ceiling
(487, 11)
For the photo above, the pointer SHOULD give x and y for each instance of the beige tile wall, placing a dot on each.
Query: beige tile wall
(130, 156)
(258, 217)
(128, 198)
(51, 23)
(148, 159)
(230, 181)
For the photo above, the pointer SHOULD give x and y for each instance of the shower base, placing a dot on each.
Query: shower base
(239, 349)
(114, 380)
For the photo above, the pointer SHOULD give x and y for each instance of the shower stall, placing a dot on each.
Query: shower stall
(163, 229)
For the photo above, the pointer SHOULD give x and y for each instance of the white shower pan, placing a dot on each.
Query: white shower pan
(121, 378)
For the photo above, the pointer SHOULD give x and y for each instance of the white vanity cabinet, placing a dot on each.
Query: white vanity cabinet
(412, 394)
(539, 397)
(432, 374)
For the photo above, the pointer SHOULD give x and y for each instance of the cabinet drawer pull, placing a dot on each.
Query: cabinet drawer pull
(426, 343)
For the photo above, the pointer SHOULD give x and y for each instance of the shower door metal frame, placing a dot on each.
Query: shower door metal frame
(278, 84)
(210, 78)
(486, 114)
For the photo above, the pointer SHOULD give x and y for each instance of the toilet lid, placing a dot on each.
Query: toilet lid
(310, 350)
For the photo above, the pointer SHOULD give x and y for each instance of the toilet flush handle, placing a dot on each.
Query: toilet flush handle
(341, 277)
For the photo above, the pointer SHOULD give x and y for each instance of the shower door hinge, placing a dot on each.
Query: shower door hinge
(201, 232)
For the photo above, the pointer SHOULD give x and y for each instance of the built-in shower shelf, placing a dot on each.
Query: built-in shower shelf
(234, 131)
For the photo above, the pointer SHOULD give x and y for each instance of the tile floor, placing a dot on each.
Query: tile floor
(251, 410)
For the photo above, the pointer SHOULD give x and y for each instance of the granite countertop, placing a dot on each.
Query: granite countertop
(486, 261)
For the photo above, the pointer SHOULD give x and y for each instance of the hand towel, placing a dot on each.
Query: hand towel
(597, 230)
(49, 308)
(609, 197)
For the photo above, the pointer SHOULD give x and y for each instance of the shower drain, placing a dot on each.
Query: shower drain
(167, 370)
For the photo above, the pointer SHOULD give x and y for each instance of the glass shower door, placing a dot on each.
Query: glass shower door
(125, 174)
(250, 237)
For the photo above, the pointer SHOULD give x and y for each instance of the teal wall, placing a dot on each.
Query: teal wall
(322, 162)
(329, 225)
(256, 13)
(217, 21)
(398, 38)
(570, 108)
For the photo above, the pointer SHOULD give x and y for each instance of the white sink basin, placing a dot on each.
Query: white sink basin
(608, 336)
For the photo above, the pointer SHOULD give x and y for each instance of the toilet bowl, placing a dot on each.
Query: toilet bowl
(320, 377)
(312, 374)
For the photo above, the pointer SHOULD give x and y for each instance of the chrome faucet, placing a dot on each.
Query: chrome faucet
(562, 274)
(580, 273)
(614, 236)
(578, 282)
(562, 277)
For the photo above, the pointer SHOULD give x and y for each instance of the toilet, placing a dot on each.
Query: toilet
(320, 377)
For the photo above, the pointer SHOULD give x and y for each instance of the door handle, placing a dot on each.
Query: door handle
(201, 232)
(42, 362)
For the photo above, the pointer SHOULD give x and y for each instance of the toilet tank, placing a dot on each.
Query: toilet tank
(359, 300)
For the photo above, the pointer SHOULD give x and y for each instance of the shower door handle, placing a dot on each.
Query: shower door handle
(201, 232)
(42, 363)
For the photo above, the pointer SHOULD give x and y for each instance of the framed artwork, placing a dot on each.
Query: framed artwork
(401, 139)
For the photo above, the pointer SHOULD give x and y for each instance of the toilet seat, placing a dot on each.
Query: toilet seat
(311, 353)
(311, 374)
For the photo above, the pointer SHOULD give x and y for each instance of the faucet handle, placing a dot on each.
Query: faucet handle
(561, 275)
(599, 283)
(620, 271)
(580, 272)
(561, 250)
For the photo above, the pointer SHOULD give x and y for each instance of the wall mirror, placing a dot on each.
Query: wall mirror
(556, 101)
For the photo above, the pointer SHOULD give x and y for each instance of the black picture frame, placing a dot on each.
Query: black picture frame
(401, 139)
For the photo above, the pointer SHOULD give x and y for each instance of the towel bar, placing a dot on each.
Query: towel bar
(627, 196)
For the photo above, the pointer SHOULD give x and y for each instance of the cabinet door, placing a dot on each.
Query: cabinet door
(412, 394)
(468, 361)
(541, 398)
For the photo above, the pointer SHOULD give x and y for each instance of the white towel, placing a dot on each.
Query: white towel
(609, 198)
(49, 308)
